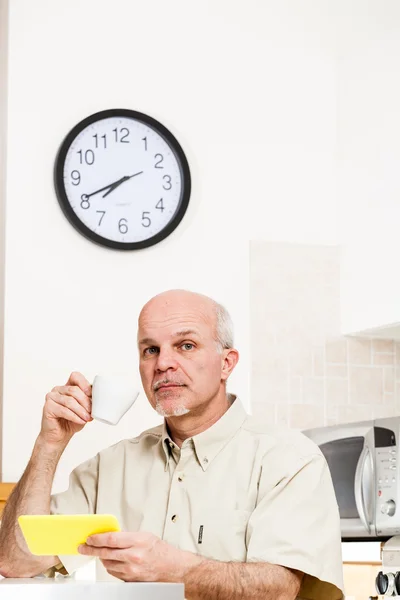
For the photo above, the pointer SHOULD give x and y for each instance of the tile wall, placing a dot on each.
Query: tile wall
(304, 372)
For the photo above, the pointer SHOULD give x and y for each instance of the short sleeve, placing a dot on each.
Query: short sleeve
(79, 498)
(296, 524)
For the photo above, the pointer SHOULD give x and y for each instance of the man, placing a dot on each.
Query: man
(212, 498)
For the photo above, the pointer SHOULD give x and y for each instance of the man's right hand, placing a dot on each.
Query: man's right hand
(67, 410)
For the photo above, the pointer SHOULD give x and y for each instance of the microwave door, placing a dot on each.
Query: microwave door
(351, 467)
(364, 488)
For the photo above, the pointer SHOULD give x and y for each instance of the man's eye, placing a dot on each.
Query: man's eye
(187, 346)
(151, 350)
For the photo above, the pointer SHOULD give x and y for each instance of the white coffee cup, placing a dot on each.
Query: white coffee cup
(112, 397)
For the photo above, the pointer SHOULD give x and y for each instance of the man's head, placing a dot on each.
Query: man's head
(186, 355)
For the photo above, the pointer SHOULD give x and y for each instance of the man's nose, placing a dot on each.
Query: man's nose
(166, 359)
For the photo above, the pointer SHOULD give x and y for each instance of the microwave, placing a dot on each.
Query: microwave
(363, 459)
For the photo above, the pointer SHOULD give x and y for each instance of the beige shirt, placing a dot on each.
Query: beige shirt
(239, 491)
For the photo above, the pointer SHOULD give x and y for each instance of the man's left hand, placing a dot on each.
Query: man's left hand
(139, 556)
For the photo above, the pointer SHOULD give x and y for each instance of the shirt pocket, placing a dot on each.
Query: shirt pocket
(221, 534)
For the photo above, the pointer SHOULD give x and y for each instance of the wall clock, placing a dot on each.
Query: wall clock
(122, 179)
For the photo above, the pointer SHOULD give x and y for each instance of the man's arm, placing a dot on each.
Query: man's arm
(241, 581)
(142, 556)
(30, 497)
(66, 411)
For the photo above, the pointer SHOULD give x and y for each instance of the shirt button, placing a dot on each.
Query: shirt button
(205, 460)
(174, 518)
(180, 478)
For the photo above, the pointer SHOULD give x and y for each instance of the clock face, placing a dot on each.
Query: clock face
(122, 179)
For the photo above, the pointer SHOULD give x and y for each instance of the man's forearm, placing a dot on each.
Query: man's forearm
(213, 580)
(30, 496)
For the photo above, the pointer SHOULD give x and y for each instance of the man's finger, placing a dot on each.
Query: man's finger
(113, 554)
(80, 380)
(115, 539)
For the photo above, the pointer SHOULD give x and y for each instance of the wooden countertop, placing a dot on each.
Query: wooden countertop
(5, 491)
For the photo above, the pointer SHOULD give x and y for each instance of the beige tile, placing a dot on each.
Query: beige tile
(331, 415)
(305, 416)
(296, 390)
(359, 351)
(389, 399)
(301, 363)
(302, 334)
(382, 412)
(334, 370)
(313, 390)
(336, 391)
(282, 417)
(383, 359)
(267, 389)
(383, 345)
(366, 385)
(350, 414)
(318, 357)
(388, 379)
(282, 345)
(336, 351)
(264, 411)
(330, 317)
(269, 358)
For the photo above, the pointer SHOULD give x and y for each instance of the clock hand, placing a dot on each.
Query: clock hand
(87, 196)
(113, 186)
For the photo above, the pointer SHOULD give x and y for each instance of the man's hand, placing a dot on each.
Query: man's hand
(66, 411)
(140, 556)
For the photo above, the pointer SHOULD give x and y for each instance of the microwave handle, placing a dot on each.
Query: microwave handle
(358, 486)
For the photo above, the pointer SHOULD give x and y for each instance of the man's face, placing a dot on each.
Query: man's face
(180, 365)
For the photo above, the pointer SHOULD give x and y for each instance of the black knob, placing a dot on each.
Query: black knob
(381, 583)
(397, 583)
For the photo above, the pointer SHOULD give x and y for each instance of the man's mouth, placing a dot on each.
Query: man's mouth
(167, 385)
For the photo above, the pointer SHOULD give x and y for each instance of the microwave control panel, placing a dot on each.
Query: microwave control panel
(387, 501)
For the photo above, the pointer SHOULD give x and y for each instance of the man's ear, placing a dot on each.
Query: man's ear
(229, 359)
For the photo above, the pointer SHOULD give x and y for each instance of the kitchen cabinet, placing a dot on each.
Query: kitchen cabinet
(361, 564)
(368, 182)
(370, 292)
(359, 580)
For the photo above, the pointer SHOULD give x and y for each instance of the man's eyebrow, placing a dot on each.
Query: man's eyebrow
(177, 334)
(185, 332)
(147, 341)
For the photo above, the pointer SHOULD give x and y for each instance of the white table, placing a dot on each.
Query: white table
(62, 588)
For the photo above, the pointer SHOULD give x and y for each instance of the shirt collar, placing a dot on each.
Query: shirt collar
(210, 442)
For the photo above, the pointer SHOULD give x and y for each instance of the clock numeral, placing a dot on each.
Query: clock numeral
(76, 177)
(88, 157)
(102, 212)
(160, 205)
(161, 158)
(103, 137)
(123, 225)
(147, 222)
(145, 143)
(121, 135)
(167, 180)
(85, 204)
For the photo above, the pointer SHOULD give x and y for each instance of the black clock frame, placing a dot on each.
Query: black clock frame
(171, 141)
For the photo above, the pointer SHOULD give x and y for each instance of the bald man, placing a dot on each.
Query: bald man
(212, 498)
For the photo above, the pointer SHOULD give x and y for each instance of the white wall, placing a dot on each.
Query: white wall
(368, 160)
(3, 147)
(248, 89)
